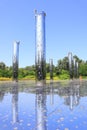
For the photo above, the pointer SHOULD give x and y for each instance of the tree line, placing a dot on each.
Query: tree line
(61, 70)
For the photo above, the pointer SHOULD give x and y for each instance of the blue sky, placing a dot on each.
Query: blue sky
(66, 29)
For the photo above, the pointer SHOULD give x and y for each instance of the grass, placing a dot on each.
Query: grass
(32, 77)
(5, 79)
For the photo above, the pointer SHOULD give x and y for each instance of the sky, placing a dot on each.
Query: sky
(66, 29)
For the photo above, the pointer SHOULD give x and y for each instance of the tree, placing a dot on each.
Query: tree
(62, 65)
(47, 67)
(83, 69)
(2, 65)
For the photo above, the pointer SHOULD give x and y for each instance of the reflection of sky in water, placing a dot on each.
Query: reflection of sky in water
(55, 107)
(26, 112)
(63, 118)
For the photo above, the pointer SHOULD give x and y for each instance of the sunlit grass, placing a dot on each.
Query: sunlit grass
(5, 79)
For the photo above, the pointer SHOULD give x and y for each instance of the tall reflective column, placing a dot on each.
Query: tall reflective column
(77, 73)
(51, 69)
(74, 67)
(15, 60)
(70, 64)
(40, 59)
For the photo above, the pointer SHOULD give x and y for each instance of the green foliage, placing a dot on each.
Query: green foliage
(83, 69)
(2, 65)
(47, 68)
(62, 65)
(28, 71)
(64, 75)
(5, 71)
(60, 71)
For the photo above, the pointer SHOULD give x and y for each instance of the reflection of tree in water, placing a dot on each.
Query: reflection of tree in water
(70, 92)
(15, 103)
(41, 109)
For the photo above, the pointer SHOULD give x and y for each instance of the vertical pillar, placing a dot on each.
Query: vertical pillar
(51, 69)
(70, 64)
(40, 59)
(77, 73)
(74, 67)
(15, 60)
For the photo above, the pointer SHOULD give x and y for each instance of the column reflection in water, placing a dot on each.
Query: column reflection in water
(51, 93)
(15, 103)
(73, 96)
(71, 99)
(40, 59)
(51, 69)
(15, 60)
(70, 64)
(41, 114)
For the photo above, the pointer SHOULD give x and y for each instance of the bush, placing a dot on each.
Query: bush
(64, 75)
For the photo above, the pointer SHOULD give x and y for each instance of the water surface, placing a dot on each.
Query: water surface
(54, 106)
